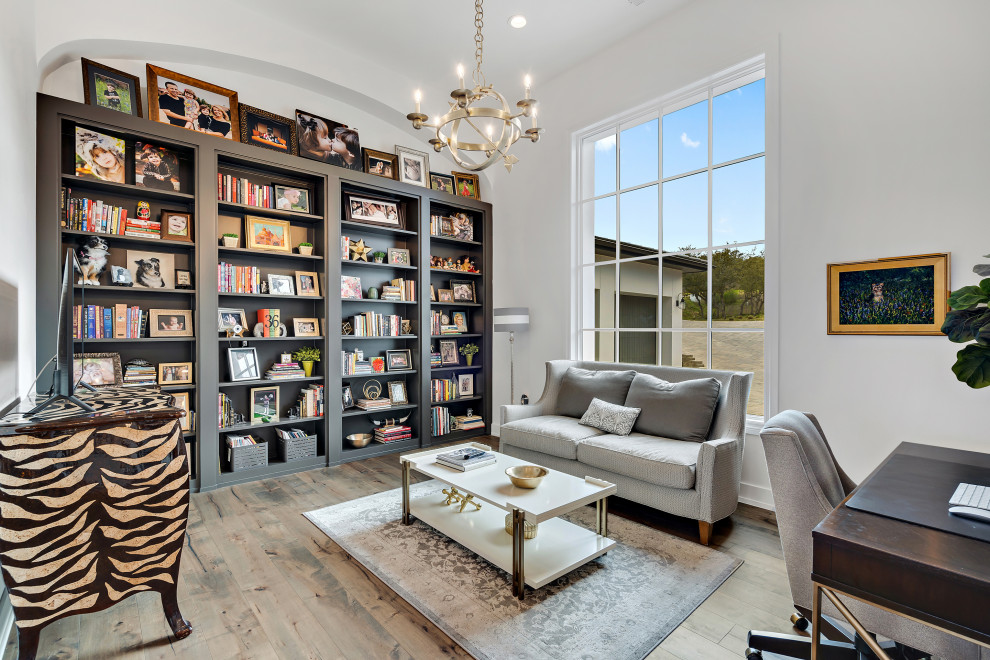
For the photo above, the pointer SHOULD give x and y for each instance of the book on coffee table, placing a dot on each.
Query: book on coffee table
(466, 459)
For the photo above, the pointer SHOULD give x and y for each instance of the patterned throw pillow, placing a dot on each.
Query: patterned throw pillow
(610, 417)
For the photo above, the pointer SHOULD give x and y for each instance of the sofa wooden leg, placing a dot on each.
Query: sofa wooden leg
(705, 531)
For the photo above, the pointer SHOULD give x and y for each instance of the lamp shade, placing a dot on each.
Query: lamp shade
(511, 319)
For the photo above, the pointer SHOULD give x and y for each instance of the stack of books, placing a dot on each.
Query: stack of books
(395, 433)
(137, 375)
(354, 363)
(142, 228)
(466, 459)
(311, 401)
(435, 360)
(374, 404)
(283, 370)
(399, 289)
(468, 422)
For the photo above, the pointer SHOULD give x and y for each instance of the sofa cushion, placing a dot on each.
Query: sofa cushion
(549, 434)
(579, 386)
(658, 461)
(681, 411)
(610, 417)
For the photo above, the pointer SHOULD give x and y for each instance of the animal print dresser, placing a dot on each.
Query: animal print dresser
(93, 507)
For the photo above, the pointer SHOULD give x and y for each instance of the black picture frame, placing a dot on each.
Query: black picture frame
(404, 353)
(356, 210)
(454, 287)
(442, 182)
(93, 72)
(256, 131)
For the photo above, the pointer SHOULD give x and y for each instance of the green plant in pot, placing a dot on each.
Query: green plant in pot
(379, 256)
(306, 356)
(305, 248)
(969, 321)
(468, 351)
(229, 240)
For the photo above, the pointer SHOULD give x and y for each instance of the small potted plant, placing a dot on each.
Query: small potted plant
(306, 356)
(468, 351)
(305, 248)
(230, 240)
(379, 256)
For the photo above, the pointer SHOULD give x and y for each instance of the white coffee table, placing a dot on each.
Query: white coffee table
(559, 546)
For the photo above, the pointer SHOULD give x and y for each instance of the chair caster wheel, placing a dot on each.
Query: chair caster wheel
(753, 654)
(799, 622)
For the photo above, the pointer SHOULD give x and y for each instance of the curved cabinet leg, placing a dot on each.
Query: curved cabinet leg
(27, 643)
(180, 627)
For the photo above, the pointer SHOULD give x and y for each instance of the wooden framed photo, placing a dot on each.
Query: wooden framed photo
(442, 182)
(397, 393)
(328, 141)
(399, 360)
(176, 226)
(463, 290)
(373, 211)
(193, 104)
(380, 163)
(182, 401)
(448, 352)
(466, 185)
(106, 87)
(170, 322)
(97, 369)
(398, 257)
(306, 327)
(183, 279)
(243, 364)
(459, 320)
(264, 404)
(175, 373)
(307, 284)
(156, 167)
(229, 317)
(268, 234)
(445, 295)
(414, 166)
(288, 198)
(269, 131)
(465, 385)
(895, 296)
(281, 285)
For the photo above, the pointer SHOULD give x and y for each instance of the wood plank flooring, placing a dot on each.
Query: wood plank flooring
(258, 580)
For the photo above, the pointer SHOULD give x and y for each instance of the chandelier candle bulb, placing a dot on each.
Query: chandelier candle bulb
(419, 97)
(460, 75)
(534, 117)
(529, 86)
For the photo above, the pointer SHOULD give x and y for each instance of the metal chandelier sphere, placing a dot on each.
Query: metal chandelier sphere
(473, 109)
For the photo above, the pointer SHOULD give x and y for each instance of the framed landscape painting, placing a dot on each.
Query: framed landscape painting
(895, 296)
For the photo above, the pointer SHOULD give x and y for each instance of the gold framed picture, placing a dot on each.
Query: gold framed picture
(894, 296)
(380, 163)
(175, 373)
(176, 226)
(306, 327)
(466, 185)
(307, 283)
(170, 323)
(268, 234)
(193, 104)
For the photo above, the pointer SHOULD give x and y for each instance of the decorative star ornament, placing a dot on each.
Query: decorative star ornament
(359, 250)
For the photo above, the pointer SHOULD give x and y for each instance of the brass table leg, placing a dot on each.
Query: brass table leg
(601, 517)
(406, 474)
(816, 617)
(854, 622)
(518, 561)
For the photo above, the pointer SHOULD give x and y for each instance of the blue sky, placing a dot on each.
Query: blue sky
(738, 204)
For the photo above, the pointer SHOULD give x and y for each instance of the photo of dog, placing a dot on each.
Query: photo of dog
(152, 270)
(92, 254)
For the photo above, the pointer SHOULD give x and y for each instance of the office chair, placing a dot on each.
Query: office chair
(807, 485)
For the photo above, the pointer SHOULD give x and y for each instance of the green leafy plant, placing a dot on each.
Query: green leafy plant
(305, 245)
(468, 349)
(307, 354)
(379, 255)
(230, 236)
(969, 321)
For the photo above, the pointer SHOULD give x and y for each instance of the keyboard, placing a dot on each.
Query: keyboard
(971, 495)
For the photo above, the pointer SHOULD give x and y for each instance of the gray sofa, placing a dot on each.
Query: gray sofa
(698, 480)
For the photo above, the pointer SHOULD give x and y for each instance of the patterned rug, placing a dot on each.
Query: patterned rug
(617, 607)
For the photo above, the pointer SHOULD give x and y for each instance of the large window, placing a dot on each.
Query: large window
(672, 221)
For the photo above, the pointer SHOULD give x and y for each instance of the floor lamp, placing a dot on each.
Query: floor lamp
(512, 320)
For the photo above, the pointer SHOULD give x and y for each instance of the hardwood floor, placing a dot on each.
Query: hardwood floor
(260, 581)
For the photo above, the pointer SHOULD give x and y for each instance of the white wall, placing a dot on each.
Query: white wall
(881, 145)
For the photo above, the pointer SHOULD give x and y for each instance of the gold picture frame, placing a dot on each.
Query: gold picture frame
(307, 283)
(171, 373)
(203, 93)
(170, 323)
(306, 327)
(268, 234)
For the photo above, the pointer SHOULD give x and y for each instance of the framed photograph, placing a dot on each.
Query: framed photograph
(264, 404)
(176, 226)
(895, 296)
(175, 373)
(183, 279)
(267, 234)
(182, 401)
(152, 270)
(228, 317)
(292, 199)
(445, 295)
(328, 141)
(170, 323)
(447, 227)
(462, 226)
(100, 156)
(285, 358)
(106, 87)
(433, 293)
(459, 320)
(373, 211)
(346, 398)
(465, 385)
(306, 327)
(380, 163)
(281, 285)
(189, 103)
(463, 290)
(399, 360)
(448, 352)
(397, 393)
(243, 363)
(156, 167)
(269, 131)
(466, 185)
(307, 283)
(398, 257)
(120, 276)
(350, 288)
(414, 166)
(442, 182)
(97, 369)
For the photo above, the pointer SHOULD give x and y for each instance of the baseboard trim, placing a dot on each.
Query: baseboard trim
(758, 496)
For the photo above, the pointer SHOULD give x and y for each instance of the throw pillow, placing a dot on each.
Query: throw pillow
(610, 417)
(579, 386)
(679, 411)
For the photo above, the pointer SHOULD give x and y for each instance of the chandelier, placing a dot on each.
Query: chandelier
(482, 110)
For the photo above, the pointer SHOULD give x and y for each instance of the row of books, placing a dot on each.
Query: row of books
(468, 458)
(370, 324)
(468, 422)
(241, 191)
(399, 289)
(241, 440)
(394, 433)
(85, 214)
(117, 322)
(238, 279)
(225, 411)
(443, 389)
(311, 401)
(440, 421)
(283, 370)
(289, 434)
(136, 375)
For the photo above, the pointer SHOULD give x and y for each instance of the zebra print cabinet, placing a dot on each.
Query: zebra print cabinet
(93, 508)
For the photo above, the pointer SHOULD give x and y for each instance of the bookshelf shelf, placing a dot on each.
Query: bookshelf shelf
(454, 241)
(461, 368)
(127, 291)
(372, 264)
(280, 422)
(125, 240)
(374, 301)
(269, 296)
(380, 411)
(248, 209)
(266, 381)
(352, 337)
(455, 273)
(135, 340)
(457, 400)
(379, 375)
(465, 335)
(455, 304)
(177, 388)
(268, 254)
(377, 449)
(223, 339)
(140, 192)
(347, 228)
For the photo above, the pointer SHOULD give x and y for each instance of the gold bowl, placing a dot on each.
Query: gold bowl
(526, 476)
(359, 439)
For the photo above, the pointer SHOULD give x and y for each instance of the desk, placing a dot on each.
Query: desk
(935, 577)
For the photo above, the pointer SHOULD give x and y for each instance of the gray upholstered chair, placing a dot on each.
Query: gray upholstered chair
(807, 485)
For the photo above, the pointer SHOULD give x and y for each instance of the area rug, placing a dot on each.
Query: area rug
(617, 607)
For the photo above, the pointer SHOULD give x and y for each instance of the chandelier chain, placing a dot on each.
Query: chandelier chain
(479, 43)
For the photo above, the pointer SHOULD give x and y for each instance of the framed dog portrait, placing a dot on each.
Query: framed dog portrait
(373, 211)
(243, 364)
(288, 198)
(97, 369)
(193, 104)
(170, 323)
(177, 226)
(175, 373)
(268, 234)
(466, 185)
(106, 87)
(152, 270)
(442, 182)
(306, 327)
(448, 352)
(266, 130)
(380, 163)
(414, 166)
(264, 404)
(328, 141)
(399, 360)
(307, 284)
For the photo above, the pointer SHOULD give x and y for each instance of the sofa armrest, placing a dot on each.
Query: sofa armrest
(517, 412)
(717, 477)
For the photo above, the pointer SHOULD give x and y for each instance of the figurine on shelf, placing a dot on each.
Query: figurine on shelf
(143, 211)
(469, 266)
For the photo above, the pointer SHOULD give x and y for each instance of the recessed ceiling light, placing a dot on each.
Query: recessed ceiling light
(518, 21)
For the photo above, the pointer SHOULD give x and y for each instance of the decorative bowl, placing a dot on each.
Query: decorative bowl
(360, 439)
(526, 476)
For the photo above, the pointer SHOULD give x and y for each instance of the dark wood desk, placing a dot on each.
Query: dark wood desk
(935, 577)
